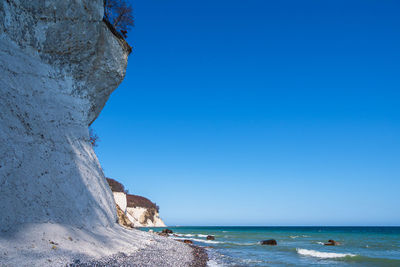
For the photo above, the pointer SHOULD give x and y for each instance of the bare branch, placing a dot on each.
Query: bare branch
(120, 15)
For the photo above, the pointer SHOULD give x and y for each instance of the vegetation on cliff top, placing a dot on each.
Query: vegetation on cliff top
(132, 200)
(139, 201)
(119, 15)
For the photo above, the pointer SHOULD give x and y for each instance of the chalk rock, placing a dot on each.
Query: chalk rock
(59, 63)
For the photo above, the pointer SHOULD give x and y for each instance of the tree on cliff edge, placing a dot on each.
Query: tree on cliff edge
(93, 137)
(119, 14)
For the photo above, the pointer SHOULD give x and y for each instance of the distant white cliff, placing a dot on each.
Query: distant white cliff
(140, 211)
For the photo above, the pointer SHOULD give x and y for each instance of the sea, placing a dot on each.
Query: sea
(296, 246)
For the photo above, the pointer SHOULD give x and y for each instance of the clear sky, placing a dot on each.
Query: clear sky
(258, 112)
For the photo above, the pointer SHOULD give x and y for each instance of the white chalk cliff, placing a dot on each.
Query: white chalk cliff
(139, 216)
(59, 63)
(144, 217)
(137, 211)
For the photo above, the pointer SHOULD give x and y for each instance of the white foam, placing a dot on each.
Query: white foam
(201, 235)
(294, 236)
(249, 261)
(212, 263)
(323, 255)
(243, 244)
(206, 241)
(320, 243)
(198, 240)
(188, 235)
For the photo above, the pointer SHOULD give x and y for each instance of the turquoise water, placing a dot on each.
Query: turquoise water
(297, 246)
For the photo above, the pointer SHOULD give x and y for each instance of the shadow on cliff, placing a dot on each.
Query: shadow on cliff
(73, 191)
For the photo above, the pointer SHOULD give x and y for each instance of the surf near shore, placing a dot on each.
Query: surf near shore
(295, 246)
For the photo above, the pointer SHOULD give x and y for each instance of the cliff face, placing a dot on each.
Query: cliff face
(144, 217)
(59, 63)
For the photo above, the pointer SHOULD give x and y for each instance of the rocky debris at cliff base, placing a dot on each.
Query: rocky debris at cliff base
(123, 219)
(270, 242)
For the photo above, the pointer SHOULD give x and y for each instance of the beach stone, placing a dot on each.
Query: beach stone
(167, 231)
(270, 242)
(187, 241)
(163, 234)
(210, 237)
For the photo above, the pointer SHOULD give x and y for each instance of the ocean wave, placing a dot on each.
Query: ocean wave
(199, 240)
(249, 261)
(212, 263)
(217, 242)
(320, 243)
(188, 235)
(201, 235)
(323, 255)
(293, 236)
(244, 244)
(206, 241)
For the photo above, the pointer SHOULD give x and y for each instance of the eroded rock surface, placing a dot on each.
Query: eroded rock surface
(59, 63)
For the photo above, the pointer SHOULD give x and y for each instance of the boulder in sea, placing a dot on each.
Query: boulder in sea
(270, 242)
(187, 241)
(167, 231)
(332, 242)
(210, 237)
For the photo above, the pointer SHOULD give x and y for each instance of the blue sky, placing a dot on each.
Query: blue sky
(260, 112)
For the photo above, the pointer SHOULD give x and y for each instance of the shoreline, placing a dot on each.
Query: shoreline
(147, 257)
(200, 256)
(51, 244)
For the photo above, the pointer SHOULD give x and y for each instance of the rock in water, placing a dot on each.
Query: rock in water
(332, 243)
(210, 237)
(59, 63)
(271, 242)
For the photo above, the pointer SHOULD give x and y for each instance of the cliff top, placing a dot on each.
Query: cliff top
(139, 201)
(115, 185)
(133, 201)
